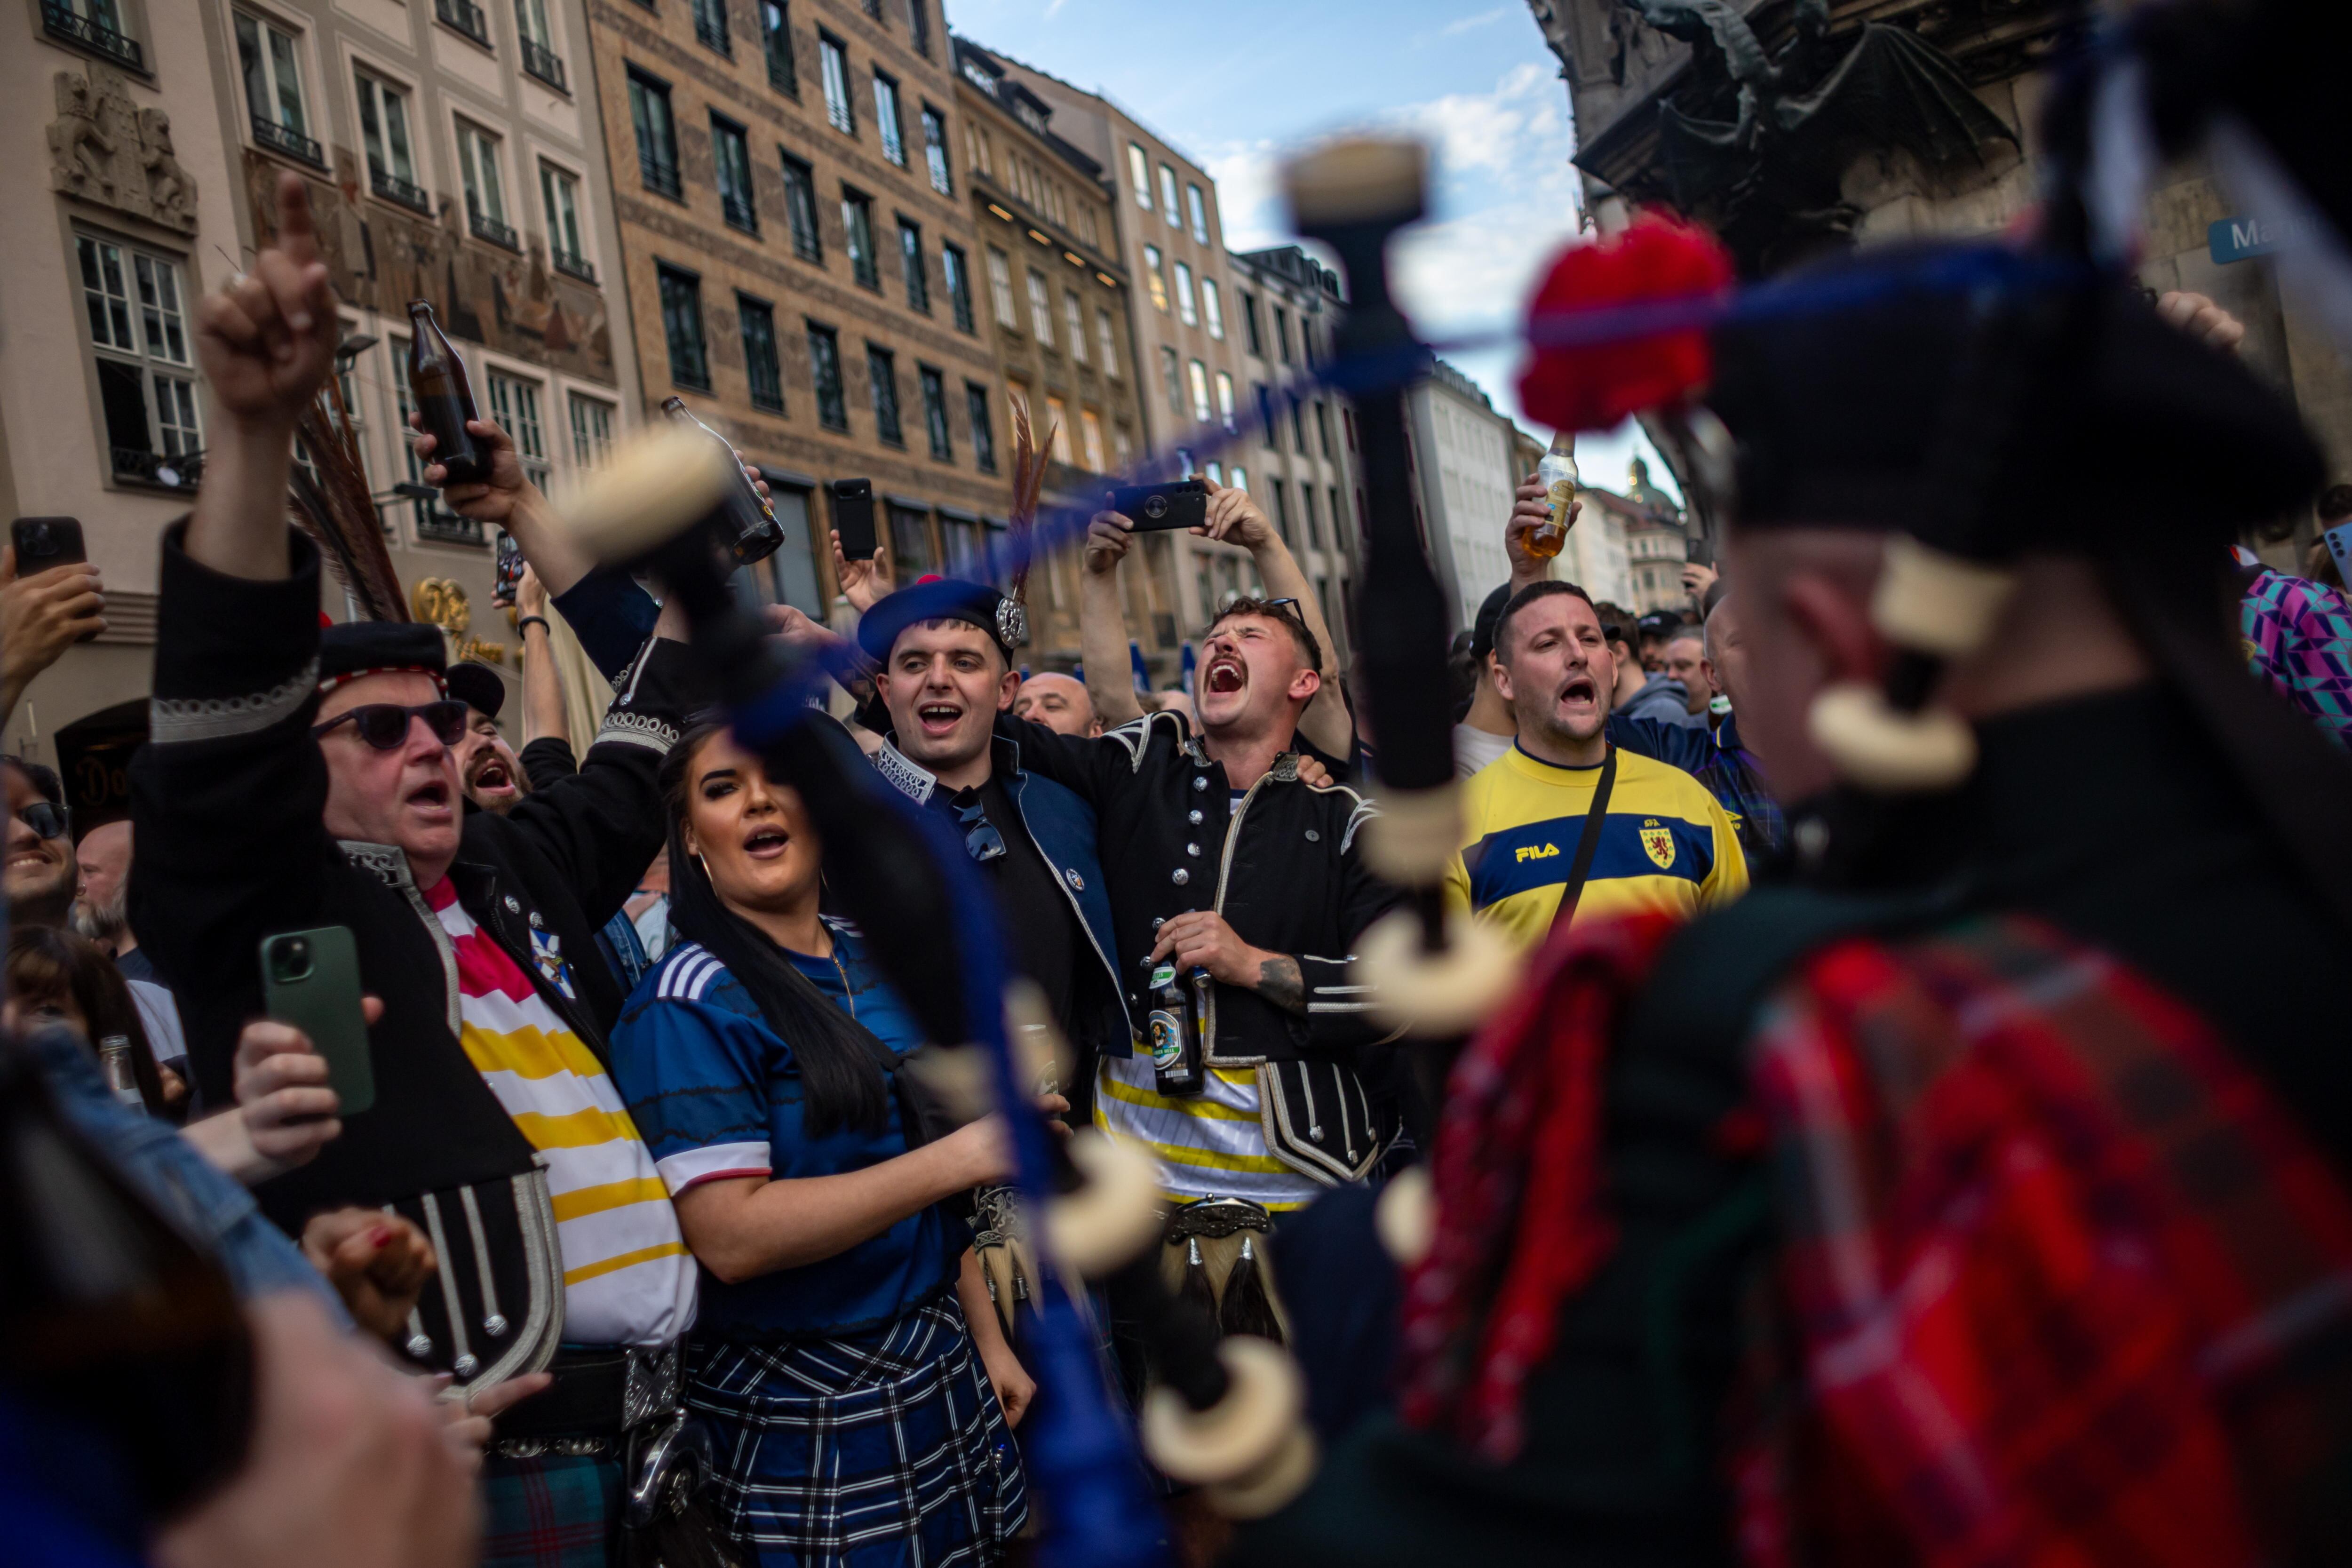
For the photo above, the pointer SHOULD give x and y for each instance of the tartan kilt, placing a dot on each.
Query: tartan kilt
(886, 1448)
(552, 1510)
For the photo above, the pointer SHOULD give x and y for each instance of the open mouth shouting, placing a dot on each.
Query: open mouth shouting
(938, 718)
(766, 842)
(1226, 675)
(430, 800)
(490, 775)
(1578, 695)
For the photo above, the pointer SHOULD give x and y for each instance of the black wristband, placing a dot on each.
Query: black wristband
(539, 621)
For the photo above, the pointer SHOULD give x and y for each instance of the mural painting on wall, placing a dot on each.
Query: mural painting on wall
(380, 257)
(105, 149)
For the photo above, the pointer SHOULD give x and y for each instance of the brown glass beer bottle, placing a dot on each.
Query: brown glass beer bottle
(444, 398)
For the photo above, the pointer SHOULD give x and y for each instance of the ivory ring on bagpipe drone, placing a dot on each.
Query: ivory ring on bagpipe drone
(1236, 1438)
(1436, 994)
(1111, 1219)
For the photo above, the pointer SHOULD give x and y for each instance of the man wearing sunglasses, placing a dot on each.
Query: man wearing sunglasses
(945, 651)
(298, 779)
(41, 873)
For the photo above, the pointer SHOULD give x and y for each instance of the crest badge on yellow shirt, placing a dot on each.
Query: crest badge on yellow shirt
(1660, 843)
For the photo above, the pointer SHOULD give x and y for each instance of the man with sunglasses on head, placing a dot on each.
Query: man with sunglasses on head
(296, 779)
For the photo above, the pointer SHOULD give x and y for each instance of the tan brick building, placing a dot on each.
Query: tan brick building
(1056, 299)
(799, 260)
(1193, 385)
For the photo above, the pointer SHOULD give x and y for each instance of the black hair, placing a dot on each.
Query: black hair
(2334, 504)
(1549, 588)
(42, 777)
(1273, 610)
(1618, 624)
(840, 1060)
(46, 961)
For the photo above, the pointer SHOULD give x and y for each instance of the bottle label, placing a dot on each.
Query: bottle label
(1164, 975)
(1167, 1040)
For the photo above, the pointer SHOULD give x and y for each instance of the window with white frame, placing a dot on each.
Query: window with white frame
(139, 330)
(269, 57)
(1200, 211)
(1091, 438)
(514, 403)
(1186, 312)
(1041, 309)
(1073, 316)
(885, 115)
(1107, 339)
(559, 191)
(1200, 382)
(384, 134)
(833, 57)
(1168, 197)
(477, 167)
(1225, 399)
(935, 151)
(592, 431)
(1139, 168)
(1212, 307)
(1000, 288)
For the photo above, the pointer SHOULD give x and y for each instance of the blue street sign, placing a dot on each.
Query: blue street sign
(2243, 238)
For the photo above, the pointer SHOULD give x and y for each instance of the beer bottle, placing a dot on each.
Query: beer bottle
(1558, 472)
(756, 532)
(444, 398)
(1175, 1032)
(112, 1322)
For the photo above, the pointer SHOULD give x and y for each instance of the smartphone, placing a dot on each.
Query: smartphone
(310, 979)
(44, 541)
(853, 518)
(1699, 551)
(1182, 503)
(2339, 545)
(509, 570)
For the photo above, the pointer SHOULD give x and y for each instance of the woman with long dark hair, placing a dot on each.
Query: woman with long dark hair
(845, 1350)
(55, 976)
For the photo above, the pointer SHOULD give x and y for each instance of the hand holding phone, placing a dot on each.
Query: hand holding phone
(1154, 509)
(310, 979)
(853, 518)
(44, 541)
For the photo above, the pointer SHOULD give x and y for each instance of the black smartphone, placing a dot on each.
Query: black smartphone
(853, 518)
(44, 541)
(310, 979)
(509, 570)
(1699, 550)
(1182, 503)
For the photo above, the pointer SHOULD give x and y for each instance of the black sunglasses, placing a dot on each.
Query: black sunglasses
(49, 821)
(982, 841)
(384, 725)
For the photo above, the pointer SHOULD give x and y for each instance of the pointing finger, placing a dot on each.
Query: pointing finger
(297, 236)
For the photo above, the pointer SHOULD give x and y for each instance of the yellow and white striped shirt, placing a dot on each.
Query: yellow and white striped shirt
(1211, 1144)
(628, 1276)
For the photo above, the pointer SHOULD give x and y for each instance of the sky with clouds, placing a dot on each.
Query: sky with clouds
(1235, 83)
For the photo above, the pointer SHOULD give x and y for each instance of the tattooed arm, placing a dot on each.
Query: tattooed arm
(1201, 939)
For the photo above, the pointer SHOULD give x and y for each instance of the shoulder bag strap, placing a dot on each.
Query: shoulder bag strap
(1588, 843)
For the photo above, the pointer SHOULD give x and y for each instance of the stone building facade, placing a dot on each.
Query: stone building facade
(1305, 468)
(1192, 381)
(1618, 71)
(1056, 296)
(453, 154)
(1464, 452)
(122, 211)
(799, 262)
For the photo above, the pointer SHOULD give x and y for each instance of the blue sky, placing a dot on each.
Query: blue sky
(1237, 82)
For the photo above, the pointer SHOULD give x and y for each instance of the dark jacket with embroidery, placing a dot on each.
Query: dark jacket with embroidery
(1062, 827)
(1285, 872)
(228, 797)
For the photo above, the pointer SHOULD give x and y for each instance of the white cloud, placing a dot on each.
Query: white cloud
(1482, 19)
(1524, 117)
(1249, 193)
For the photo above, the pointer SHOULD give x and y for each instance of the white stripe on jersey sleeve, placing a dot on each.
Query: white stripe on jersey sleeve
(684, 1168)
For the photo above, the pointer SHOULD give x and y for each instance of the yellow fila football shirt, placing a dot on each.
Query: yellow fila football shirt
(1665, 844)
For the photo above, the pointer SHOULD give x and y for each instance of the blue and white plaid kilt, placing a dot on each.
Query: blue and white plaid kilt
(554, 1511)
(883, 1448)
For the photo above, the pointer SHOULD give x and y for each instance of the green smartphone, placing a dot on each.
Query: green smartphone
(310, 979)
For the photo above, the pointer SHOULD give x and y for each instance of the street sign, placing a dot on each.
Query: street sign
(2243, 238)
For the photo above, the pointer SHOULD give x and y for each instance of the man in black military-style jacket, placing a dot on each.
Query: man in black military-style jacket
(295, 779)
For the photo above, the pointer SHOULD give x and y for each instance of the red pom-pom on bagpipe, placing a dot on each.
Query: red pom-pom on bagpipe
(1593, 385)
